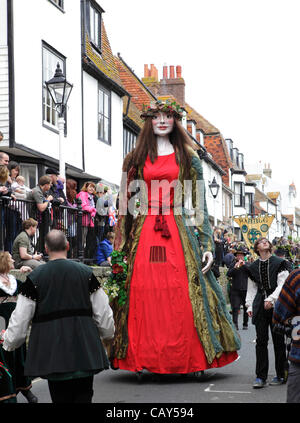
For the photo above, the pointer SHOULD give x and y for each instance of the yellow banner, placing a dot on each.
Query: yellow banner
(254, 227)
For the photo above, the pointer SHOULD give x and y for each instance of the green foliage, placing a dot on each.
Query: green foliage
(114, 285)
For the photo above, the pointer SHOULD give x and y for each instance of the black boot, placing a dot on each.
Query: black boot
(29, 396)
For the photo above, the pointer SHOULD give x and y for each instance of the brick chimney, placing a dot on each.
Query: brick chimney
(173, 85)
(267, 171)
(150, 78)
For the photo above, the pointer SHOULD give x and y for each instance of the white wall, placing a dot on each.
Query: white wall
(4, 103)
(61, 31)
(102, 159)
(237, 211)
(3, 22)
(214, 206)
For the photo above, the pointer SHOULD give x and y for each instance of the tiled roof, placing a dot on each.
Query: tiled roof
(216, 146)
(289, 217)
(261, 196)
(140, 94)
(259, 208)
(134, 86)
(104, 62)
(133, 112)
(273, 195)
(251, 178)
(202, 124)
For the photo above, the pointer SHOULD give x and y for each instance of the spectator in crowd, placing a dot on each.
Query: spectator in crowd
(61, 186)
(19, 188)
(13, 361)
(280, 252)
(219, 246)
(88, 205)
(70, 362)
(104, 250)
(104, 201)
(4, 175)
(267, 275)
(287, 307)
(56, 189)
(14, 170)
(23, 249)
(229, 258)
(238, 272)
(40, 210)
(4, 158)
(39, 194)
(10, 216)
(71, 192)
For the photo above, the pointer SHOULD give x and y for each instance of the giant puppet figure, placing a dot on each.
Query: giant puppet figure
(175, 318)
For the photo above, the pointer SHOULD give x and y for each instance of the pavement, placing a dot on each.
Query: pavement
(231, 384)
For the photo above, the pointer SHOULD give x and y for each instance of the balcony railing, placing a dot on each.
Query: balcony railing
(72, 221)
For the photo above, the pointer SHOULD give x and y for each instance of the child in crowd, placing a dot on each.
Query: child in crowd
(19, 188)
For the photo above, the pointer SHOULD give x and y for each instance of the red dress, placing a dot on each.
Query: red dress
(161, 331)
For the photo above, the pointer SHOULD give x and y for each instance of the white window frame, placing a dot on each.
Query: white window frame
(95, 26)
(104, 114)
(129, 141)
(249, 202)
(50, 60)
(239, 194)
(24, 171)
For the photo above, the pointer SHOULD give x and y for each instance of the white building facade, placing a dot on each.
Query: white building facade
(29, 54)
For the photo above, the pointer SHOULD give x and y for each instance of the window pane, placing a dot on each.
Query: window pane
(101, 94)
(50, 61)
(29, 171)
(106, 110)
(92, 23)
(96, 39)
(48, 114)
(106, 129)
(103, 114)
(100, 126)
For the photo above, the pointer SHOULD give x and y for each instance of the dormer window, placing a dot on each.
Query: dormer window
(94, 24)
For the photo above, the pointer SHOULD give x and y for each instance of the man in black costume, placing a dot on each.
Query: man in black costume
(70, 313)
(238, 272)
(267, 275)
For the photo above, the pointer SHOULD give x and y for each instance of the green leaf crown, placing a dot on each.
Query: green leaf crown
(162, 106)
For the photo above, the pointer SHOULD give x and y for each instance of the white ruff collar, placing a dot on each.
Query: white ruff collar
(13, 285)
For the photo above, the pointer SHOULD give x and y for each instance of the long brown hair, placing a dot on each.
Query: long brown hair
(146, 144)
(4, 174)
(4, 262)
(86, 185)
(71, 190)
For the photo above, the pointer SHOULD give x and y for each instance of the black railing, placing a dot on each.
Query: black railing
(70, 220)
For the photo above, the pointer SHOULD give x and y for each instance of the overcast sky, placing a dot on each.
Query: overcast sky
(240, 62)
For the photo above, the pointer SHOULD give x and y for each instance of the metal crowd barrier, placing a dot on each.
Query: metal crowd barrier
(67, 219)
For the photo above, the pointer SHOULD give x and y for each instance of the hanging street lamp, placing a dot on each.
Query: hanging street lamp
(60, 89)
(214, 189)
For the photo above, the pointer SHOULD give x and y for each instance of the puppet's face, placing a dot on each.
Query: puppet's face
(162, 124)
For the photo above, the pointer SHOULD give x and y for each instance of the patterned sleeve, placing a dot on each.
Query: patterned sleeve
(199, 204)
(94, 284)
(28, 290)
(285, 306)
